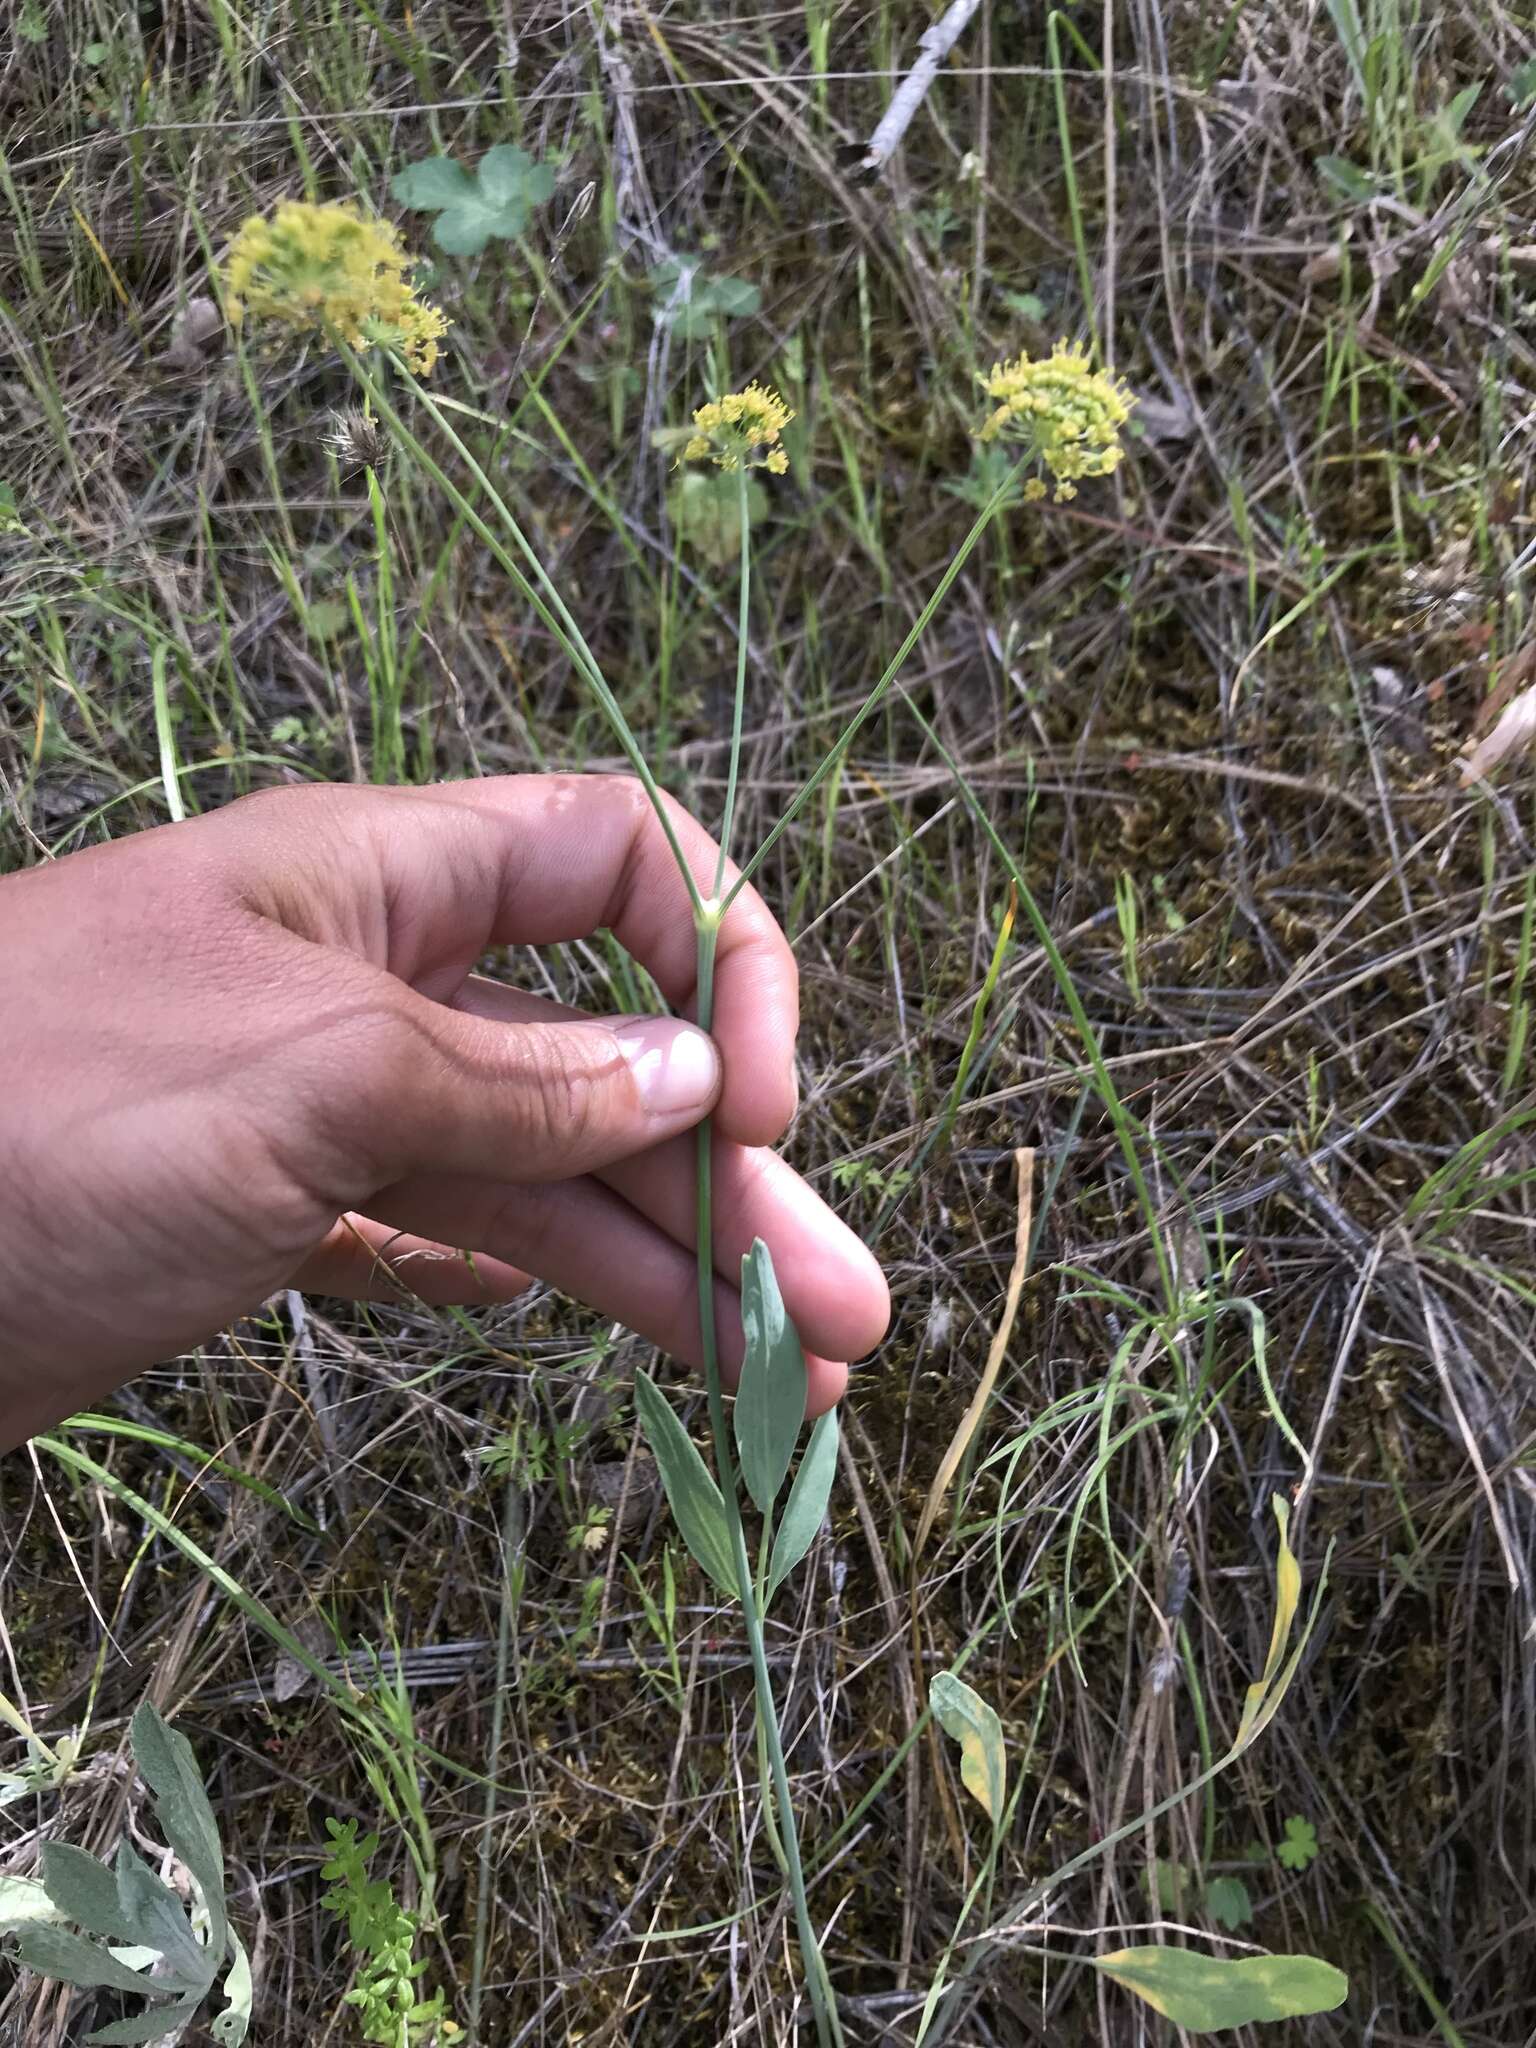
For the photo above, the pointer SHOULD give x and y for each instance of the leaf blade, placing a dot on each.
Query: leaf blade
(962, 1713)
(806, 1507)
(71, 1959)
(436, 182)
(1205, 1994)
(169, 1768)
(695, 1500)
(770, 1395)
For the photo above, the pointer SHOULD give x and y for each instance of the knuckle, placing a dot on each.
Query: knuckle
(562, 1104)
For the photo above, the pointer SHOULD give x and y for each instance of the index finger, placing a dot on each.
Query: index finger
(533, 860)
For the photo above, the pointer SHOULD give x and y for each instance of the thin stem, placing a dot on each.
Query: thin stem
(828, 2031)
(871, 702)
(733, 775)
(553, 613)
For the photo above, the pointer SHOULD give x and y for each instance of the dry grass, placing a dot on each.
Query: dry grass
(1238, 676)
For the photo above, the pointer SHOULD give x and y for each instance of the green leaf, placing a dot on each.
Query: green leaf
(1348, 180)
(689, 300)
(1522, 83)
(492, 204)
(770, 1398)
(1262, 1696)
(705, 507)
(1165, 1883)
(157, 1920)
(965, 1715)
(1228, 1903)
(733, 296)
(85, 1891)
(71, 1959)
(697, 1507)
(433, 184)
(158, 2023)
(807, 1503)
(1203, 1994)
(168, 1767)
(1300, 1845)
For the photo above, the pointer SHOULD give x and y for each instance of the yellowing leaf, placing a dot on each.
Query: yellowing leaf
(1287, 1595)
(965, 1715)
(1207, 1994)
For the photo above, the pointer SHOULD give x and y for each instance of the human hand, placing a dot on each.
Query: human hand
(249, 1052)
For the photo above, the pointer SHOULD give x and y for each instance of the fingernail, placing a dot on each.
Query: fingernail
(676, 1068)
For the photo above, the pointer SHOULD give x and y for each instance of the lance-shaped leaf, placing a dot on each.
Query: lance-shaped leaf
(697, 1507)
(157, 1920)
(168, 1767)
(1206, 1994)
(807, 1503)
(71, 1959)
(770, 1397)
(159, 2023)
(85, 1891)
(965, 1715)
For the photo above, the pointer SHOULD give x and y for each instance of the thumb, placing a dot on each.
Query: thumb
(528, 1101)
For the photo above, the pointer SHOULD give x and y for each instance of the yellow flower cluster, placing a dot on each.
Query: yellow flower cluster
(1070, 413)
(328, 270)
(741, 431)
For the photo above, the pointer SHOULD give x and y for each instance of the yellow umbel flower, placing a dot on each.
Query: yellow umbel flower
(1068, 412)
(329, 270)
(741, 431)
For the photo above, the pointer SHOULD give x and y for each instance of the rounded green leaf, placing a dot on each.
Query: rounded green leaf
(432, 184)
(1205, 1994)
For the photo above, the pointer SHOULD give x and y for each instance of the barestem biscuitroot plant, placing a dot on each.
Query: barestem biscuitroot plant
(341, 275)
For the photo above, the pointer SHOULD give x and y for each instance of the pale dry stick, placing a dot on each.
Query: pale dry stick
(1362, 1295)
(1464, 1428)
(934, 45)
(886, 1587)
(970, 1421)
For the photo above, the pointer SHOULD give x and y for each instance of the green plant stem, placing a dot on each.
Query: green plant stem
(733, 773)
(871, 703)
(538, 590)
(828, 2031)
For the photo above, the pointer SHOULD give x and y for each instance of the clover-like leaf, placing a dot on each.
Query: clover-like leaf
(491, 204)
(689, 299)
(1228, 1903)
(1300, 1845)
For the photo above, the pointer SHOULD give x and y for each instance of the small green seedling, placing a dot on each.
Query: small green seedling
(124, 1928)
(392, 2013)
(1300, 1845)
(491, 204)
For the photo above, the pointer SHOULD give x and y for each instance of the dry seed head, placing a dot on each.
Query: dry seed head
(355, 440)
(741, 431)
(1069, 413)
(328, 270)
